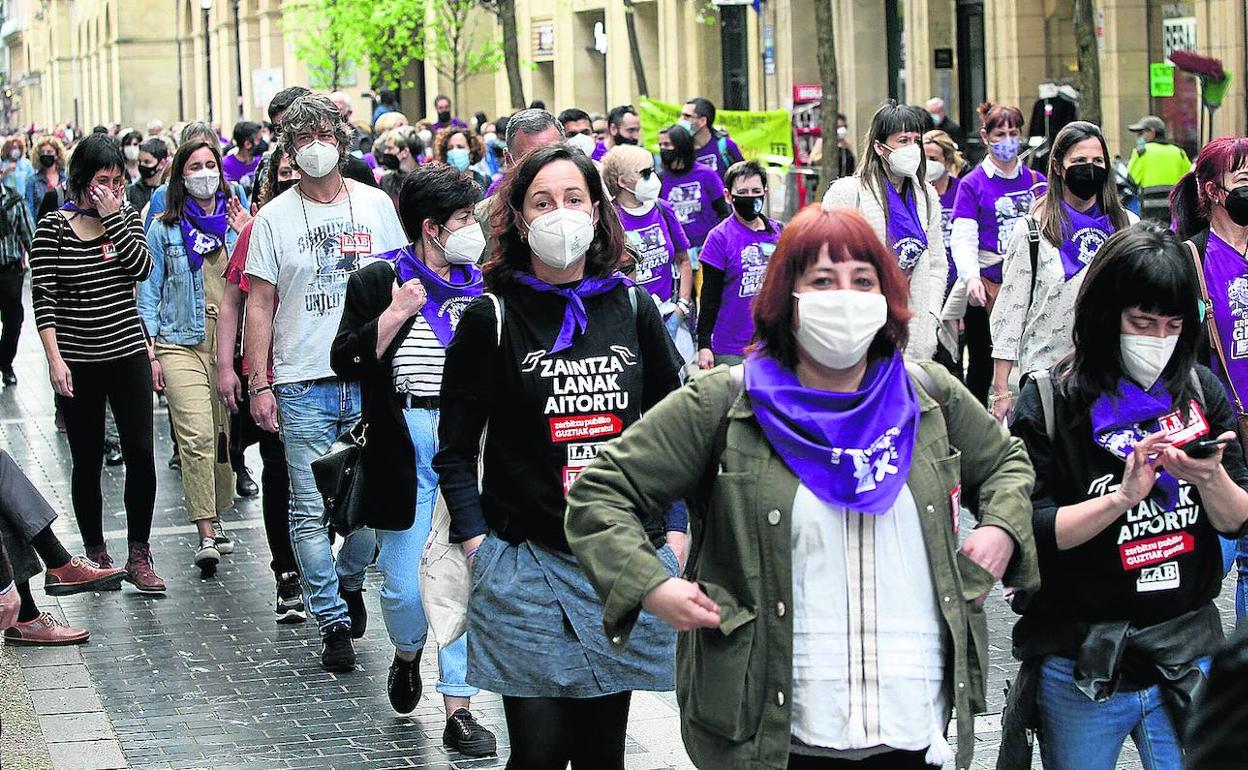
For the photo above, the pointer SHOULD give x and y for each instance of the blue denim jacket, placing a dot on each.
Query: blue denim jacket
(171, 300)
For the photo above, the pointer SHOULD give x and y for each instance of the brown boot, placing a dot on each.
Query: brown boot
(141, 572)
(99, 555)
(45, 630)
(80, 575)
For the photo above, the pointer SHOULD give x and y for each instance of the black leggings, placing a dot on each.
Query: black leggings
(891, 760)
(978, 353)
(11, 315)
(547, 733)
(274, 479)
(126, 385)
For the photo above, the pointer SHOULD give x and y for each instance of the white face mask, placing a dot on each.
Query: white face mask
(131, 151)
(426, 136)
(317, 159)
(465, 245)
(841, 132)
(904, 161)
(583, 143)
(204, 183)
(934, 170)
(836, 327)
(561, 237)
(648, 188)
(1144, 357)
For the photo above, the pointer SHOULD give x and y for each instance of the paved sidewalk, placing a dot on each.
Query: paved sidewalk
(204, 678)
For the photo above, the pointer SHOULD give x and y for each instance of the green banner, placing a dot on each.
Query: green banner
(1160, 79)
(762, 136)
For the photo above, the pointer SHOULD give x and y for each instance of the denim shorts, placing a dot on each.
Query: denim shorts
(535, 629)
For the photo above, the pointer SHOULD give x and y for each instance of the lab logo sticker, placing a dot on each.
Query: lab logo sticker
(1163, 577)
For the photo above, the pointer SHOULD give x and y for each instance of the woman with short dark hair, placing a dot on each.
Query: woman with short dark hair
(85, 262)
(462, 150)
(559, 359)
(398, 316)
(1137, 472)
(695, 191)
(831, 618)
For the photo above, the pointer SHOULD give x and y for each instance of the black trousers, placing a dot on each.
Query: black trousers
(274, 478)
(892, 760)
(126, 385)
(978, 352)
(11, 315)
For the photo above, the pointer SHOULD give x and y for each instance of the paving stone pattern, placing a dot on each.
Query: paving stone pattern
(203, 677)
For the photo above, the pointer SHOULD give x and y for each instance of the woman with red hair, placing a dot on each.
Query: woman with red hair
(1210, 208)
(991, 200)
(832, 618)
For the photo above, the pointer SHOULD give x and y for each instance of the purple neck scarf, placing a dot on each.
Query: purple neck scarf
(574, 316)
(1123, 418)
(445, 300)
(1088, 233)
(849, 449)
(202, 233)
(906, 236)
(1226, 276)
(73, 208)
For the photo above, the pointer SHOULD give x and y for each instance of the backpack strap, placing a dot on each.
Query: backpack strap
(1211, 327)
(1033, 243)
(1044, 383)
(500, 309)
(721, 143)
(920, 375)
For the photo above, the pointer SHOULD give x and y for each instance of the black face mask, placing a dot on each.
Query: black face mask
(47, 161)
(282, 186)
(1085, 180)
(260, 147)
(444, 117)
(621, 139)
(668, 157)
(1236, 205)
(748, 207)
(147, 172)
(388, 161)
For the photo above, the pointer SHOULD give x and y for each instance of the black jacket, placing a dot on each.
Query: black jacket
(388, 457)
(1217, 736)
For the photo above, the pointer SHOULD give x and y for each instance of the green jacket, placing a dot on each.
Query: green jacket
(733, 683)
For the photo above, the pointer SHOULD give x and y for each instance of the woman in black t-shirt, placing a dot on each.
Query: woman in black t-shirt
(1127, 511)
(562, 355)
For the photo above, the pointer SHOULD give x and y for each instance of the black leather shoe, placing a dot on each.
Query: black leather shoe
(403, 684)
(245, 485)
(337, 653)
(466, 735)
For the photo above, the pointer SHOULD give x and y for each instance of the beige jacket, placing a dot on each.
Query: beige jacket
(927, 282)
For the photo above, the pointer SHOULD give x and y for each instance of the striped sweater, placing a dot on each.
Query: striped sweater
(85, 289)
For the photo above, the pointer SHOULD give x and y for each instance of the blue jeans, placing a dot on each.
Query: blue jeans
(399, 560)
(1241, 586)
(1078, 733)
(311, 414)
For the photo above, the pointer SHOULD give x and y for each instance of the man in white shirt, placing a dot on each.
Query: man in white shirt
(304, 246)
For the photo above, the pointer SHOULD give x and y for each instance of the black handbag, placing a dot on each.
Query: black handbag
(339, 478)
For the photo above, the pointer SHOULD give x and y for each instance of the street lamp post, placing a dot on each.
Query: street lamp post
(206, 6)
(238, 58)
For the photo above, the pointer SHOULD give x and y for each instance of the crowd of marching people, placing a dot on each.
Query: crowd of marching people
(487, 336)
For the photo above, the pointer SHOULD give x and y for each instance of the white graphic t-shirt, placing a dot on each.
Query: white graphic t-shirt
(308, 250)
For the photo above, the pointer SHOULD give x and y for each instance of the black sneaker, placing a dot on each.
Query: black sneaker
(355, 610)
(403, 684)
(290, 607)
(206, 557)
(465, 734)
(112, 454)
(337, 653)
(245, 485)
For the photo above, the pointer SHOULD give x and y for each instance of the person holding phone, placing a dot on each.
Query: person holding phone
(1137, 472)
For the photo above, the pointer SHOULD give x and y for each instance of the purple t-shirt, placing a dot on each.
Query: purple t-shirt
(234, 169)
(709, 155)
(693, 194)
(742, 254)
(946, 227)
(657, 236)
(997, 204)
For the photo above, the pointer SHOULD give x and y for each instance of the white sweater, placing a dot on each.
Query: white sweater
(927, 281)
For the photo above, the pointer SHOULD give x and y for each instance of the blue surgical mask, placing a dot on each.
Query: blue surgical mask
(685, 124)
(459, 158)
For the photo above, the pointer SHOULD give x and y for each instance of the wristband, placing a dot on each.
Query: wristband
(262, 389)
(471, 553)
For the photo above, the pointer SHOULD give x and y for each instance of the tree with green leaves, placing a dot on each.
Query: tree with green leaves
(396, 40)
(331, 37)
(505, 12)
(455, 47)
